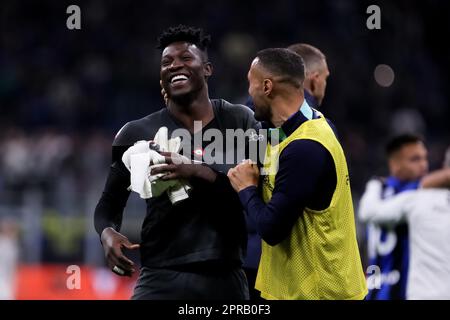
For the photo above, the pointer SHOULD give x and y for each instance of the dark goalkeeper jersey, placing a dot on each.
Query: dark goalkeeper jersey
(209, 225)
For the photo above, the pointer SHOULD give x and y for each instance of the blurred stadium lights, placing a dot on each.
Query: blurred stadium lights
(384, 75)
(64, 94)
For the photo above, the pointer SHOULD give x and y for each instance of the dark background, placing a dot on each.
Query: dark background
(65, 93)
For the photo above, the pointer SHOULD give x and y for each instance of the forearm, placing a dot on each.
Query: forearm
(109, 210)
(370, 199)
(374, 209)
(106, 215)
(205, 173)
(436, 179)
(303, 166)
(274, 220)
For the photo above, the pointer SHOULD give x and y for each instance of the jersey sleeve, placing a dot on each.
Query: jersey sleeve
(110, 207)
(373, 208)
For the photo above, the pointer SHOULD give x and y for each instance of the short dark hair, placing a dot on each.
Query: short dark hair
(186, 34)
(284, 63)
(312, 56)
(396, 143)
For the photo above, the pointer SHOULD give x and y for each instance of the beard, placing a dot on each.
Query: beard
(263, 112)
(187, 97)
(184, 99)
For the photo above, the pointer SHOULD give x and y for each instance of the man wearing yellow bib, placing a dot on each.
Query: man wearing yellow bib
(305, 212)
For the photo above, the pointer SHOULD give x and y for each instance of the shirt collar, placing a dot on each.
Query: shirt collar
(399, 185)
(306, 110)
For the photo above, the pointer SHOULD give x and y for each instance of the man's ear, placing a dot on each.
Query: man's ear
(267, 86)
(208, 68)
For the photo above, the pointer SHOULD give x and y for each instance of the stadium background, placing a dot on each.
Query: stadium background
(64, 94)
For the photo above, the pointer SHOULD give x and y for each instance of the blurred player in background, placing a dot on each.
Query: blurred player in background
(194, 249)
(316, 73)
(388, 247)
(427, 213)
(9, 257)
(305, 215)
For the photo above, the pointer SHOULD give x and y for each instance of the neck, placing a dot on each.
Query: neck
(402, 178)
(189, 110)
(307, 85)
(284, 107)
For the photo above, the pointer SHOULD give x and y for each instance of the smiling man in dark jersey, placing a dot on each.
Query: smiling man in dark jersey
(193, 249)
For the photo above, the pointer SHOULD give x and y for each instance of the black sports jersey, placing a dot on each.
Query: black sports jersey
(209, 225)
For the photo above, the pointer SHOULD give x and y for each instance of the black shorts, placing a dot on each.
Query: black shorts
(187, 283)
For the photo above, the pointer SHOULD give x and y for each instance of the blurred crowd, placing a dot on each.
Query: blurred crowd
(64, 94)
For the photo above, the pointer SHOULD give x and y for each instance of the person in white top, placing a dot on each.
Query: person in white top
(427, 212)
(9, 256)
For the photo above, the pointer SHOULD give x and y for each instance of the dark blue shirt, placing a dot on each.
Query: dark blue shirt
(394, 258)
(306, 178)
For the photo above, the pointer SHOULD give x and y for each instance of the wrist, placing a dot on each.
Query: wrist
(249, 186)
(245, 194)
(105, 233)
(205, 173)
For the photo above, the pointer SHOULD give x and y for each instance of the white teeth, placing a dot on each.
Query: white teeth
(178, 78)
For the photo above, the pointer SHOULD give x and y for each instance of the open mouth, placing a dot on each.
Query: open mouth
(179, 79)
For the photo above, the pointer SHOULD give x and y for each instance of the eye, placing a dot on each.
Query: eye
(166, 62)
(186, 58)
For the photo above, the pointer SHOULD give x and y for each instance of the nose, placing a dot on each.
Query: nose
(175, 65)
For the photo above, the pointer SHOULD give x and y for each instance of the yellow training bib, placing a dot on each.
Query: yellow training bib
(320, 258)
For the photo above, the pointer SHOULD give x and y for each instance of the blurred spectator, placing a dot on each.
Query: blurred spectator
(63, 94)
(427, 213)
(9, 254)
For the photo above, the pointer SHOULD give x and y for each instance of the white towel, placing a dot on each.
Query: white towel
(137, 159)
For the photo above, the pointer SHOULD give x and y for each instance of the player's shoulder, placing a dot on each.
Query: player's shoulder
(235, 109)
(233, 113)
(140, 129)
(432, 193)
(307, 151)
(438, 199)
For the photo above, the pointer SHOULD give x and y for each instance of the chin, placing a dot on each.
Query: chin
(183, 97)
(261, 117)
(258, 117)
(261, 114)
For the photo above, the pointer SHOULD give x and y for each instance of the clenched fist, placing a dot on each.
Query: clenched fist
(244, 175)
